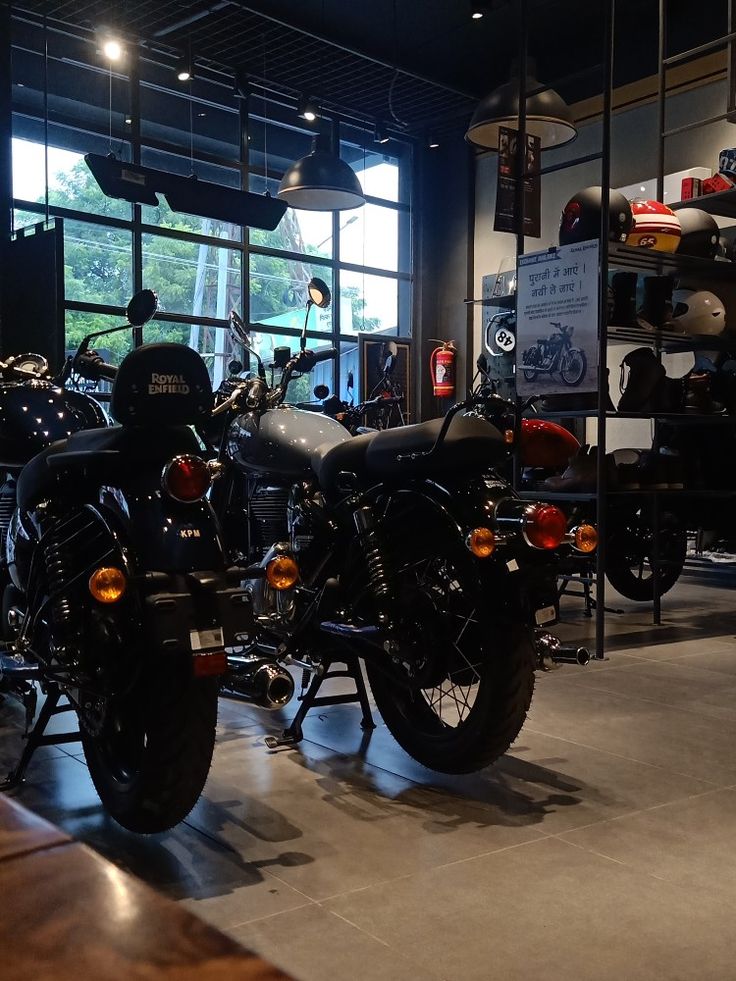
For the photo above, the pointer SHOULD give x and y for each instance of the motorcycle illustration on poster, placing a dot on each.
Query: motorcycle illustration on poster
(557, 320)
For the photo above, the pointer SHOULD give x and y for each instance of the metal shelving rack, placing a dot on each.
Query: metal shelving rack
(636, 260)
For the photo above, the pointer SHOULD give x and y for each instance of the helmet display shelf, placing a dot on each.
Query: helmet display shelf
(701, 271)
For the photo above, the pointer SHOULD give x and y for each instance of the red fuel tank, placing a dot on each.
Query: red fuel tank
(546, 445)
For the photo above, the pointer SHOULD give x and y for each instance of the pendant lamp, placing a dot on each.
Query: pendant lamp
(548, 116)
(321, 181)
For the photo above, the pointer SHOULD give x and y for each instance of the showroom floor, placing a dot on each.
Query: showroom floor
(601, 847)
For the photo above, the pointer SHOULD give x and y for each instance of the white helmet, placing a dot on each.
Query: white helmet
(698, 312)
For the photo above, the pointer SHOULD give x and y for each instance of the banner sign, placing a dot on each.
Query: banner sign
(505, 220)
(557, 320)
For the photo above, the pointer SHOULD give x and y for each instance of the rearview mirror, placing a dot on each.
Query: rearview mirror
(319, 293)
(141, 308)
(281, 356)
(321, 392)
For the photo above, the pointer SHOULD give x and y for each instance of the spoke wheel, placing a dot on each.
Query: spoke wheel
(474, 679)
(573, 367)
(630, 551)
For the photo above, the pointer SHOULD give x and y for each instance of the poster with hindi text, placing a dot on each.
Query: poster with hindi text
(557, 320)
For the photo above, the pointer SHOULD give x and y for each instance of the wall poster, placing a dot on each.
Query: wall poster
(505, 220)
(557, 320)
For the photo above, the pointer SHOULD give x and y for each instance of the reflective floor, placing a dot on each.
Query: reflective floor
(601, 847)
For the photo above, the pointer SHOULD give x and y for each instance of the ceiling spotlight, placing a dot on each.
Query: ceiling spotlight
(184, 70)
(128, 120)
(308, 109)
(433, 145)
(112, 49)
(477, 13)
(381, 136)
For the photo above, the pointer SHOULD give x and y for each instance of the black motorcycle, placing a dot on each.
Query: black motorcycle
(555, 354)
(402, 548)
(121, 598)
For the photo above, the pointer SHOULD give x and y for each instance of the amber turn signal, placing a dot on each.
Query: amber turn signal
(545, 526)
(585, 538)
(107, 584)
(508, 436)
(481, 542)
(282, 572)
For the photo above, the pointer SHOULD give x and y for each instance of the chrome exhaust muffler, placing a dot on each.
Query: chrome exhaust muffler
(260, 680)
(550, 652)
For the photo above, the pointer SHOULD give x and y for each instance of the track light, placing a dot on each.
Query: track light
(433, 145)
(381, 136)
(477, 13)
(184, 71)
(308, 109)
(112, 49)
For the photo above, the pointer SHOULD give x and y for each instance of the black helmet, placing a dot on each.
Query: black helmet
(700, 233)
(581, 217)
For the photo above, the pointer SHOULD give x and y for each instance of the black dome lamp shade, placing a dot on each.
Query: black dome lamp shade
(321, 181)
(548, 116)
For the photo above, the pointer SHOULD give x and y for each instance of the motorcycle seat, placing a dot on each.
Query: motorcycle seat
(471, 444)
(110, 451)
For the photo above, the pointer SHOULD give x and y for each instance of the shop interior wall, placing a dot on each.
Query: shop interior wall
(444, 261)
(634, 159)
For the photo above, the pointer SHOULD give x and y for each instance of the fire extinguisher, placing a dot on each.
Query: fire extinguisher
(442, 368)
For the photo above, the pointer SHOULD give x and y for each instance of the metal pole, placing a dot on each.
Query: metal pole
(661, 94)
(519, 187)
(600, 586)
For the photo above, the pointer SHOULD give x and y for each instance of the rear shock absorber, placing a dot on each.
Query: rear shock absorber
(57, 577)
(373, 552)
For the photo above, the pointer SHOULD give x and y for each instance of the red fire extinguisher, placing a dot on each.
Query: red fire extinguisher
(442, 368)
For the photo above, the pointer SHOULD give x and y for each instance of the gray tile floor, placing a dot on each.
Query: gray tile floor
(601, 846)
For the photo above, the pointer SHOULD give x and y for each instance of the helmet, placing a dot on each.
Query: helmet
(726, 248)
(581, 217)
(700, 233)
(655, 226)
(698, 312)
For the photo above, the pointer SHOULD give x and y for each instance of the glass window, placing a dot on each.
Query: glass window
(368, 303)
(215, 344)
(164, 217)
(71, 184)
(196, 279)
(111, 348)
(22, 219)
(369, 236)
(98, 263)
(300, 389)
(171, 117)
(278, 293)
(377, 165)
(307, 232)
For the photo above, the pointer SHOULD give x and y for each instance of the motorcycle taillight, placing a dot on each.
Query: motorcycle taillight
(186, 478)
(545, 526)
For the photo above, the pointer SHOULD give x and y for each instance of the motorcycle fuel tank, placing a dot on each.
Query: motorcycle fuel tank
(34, 414)
(282, 441)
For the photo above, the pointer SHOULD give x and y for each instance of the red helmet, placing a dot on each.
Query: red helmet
(655, 226)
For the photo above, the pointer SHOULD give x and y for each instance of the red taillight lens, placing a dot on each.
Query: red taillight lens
(186, 478)
(545, 526)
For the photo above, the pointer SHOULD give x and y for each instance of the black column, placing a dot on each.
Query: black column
(6, 174)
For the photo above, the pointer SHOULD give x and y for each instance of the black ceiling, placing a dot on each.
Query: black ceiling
(445, 59)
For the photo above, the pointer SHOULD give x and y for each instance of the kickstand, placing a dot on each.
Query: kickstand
(36, 737)
(311, 699)
(586, 594)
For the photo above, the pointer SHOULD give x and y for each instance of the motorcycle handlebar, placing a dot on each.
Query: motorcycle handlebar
(90, 365)
(329, 355)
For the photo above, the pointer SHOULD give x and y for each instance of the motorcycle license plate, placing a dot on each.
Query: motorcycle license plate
(207, 640)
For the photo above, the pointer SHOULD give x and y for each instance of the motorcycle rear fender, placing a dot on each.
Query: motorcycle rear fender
(166, 535)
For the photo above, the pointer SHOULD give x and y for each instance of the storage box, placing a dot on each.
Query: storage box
(691, 187)
(719, 182)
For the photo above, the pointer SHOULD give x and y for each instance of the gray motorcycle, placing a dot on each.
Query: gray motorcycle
(401, 549)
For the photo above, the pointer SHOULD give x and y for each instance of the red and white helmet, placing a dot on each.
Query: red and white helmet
(655, 226)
